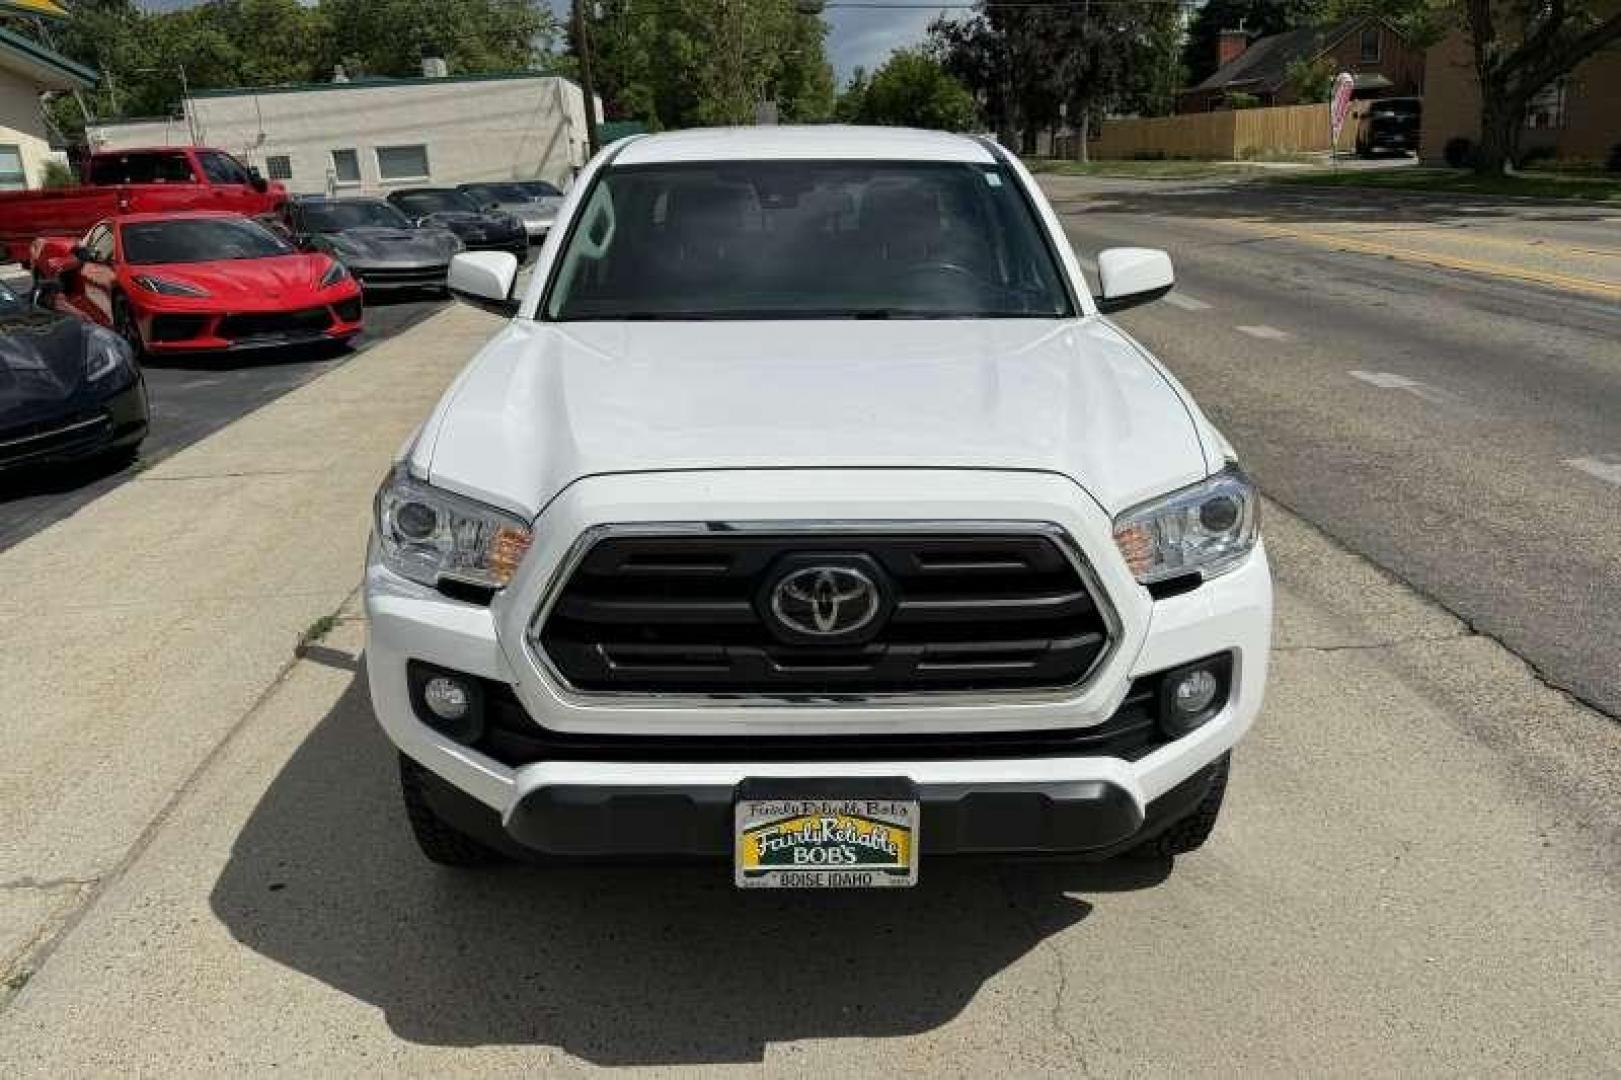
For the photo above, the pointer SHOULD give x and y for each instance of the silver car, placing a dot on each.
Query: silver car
(533, 202)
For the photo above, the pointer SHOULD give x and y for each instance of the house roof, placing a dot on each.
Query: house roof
(45, 67)
(1265, 64)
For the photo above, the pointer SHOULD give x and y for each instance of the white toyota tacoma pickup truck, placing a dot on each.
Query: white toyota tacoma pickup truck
(810, 516)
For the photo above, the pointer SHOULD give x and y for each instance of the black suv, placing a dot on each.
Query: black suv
(1389, 126)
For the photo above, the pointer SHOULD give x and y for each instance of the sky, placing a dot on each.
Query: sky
(862, 37)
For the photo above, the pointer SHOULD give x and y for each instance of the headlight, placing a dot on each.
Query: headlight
(426, 534)
(165, 287)
(105, 353)
(335, 273)
(1207, 528)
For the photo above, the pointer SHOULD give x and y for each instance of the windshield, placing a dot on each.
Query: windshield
(496, 193)
(538, 189)
(419, 203)
(189, 240)
(807, 240)
(337, 216)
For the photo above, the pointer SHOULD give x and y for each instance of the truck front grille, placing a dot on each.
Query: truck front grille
(699, 613)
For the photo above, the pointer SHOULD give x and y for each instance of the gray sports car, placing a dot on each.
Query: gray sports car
(533, 202)
(380, 246)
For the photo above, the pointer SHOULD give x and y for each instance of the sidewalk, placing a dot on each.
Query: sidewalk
(139, 632)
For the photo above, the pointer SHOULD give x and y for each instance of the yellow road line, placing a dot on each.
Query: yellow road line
(1568, 282)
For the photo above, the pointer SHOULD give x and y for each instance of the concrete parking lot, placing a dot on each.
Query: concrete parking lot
(1417, 872)
(191, 398)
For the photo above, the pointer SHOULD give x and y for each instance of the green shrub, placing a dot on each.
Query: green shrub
(57, 175)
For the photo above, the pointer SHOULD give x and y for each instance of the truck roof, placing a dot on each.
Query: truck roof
(808, 142)
(154, 150)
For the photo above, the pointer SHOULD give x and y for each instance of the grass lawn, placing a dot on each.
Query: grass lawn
(1143, 170)
(1543, 185)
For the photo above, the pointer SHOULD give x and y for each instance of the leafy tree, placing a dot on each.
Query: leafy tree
(390, 37)
(1520, 47)
(911, 89)
(1033, 66)
(1311, 79)
(685, 62)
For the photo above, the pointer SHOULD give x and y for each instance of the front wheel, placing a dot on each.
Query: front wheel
(1190, 833)
(440, 841)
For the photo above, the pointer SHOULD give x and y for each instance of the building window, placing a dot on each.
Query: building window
(1546, 109)
(1370, 45)
(279, 167)
(402, 162)
(12, 177)
(345, 168)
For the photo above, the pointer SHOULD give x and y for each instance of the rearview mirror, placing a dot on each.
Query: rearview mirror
(1131, 276)
(485, 280)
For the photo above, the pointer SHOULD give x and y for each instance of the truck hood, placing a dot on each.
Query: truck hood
(546, 404)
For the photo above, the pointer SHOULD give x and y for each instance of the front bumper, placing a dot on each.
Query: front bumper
(117, 422)
(196, 328)
(616, 803)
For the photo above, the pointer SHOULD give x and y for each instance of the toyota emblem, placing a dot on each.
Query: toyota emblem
(826, 601)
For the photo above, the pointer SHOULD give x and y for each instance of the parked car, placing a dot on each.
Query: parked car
(69, 390)
(533, 202)
(1390, 125)
(378, 244)
(198, 281)
(479, 229)
(810, 499)
(156, 180)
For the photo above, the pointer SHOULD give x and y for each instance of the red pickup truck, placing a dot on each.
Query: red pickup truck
(142, 181)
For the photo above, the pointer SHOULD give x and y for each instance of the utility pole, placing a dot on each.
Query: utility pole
(582, 45)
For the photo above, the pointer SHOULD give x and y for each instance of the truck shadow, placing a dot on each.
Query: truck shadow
(615, 965)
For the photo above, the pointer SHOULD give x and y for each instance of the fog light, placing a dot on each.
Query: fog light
(446, 698)
(1193, 692)
(447, 701)
(1189, 696)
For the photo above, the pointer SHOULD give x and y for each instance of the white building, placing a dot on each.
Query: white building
(27, 69)
(373, 135)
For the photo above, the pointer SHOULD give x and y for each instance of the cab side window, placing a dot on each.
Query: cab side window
(222, 168)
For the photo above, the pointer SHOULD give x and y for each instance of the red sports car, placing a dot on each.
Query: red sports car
(197, 282)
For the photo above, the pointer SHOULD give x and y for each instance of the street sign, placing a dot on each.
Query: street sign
(1341, 106)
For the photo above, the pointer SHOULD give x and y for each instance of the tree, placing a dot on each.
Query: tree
(683, 62)
(911, 89)
(1520, 47)
(1033, 66)
(1311, 79)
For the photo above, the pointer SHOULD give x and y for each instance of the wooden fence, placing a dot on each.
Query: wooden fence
(1225, 136)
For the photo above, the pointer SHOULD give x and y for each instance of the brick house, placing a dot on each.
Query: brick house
(1578, 118)
(1376, 55)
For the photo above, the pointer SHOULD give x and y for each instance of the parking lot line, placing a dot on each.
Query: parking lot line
(1186, 302)
(1266, 333)
(1608, 471)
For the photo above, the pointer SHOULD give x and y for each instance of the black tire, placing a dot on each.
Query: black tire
(126, 327)
(1189, 833)
(440, 842)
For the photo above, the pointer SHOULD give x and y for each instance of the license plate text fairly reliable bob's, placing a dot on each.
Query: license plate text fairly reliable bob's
(811, 843)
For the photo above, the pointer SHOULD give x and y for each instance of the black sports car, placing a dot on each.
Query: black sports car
(69, 389)
(379, 245)
(479, 229)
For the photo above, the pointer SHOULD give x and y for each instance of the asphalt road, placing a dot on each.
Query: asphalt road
(190, 399)
(1435, 383)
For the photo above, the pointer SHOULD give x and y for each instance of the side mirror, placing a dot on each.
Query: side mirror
(81, 254)
(46, 292)
(257, 181)
(1131, 276)
(485, 280)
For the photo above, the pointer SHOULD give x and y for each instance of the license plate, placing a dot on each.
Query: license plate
(825, 843)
